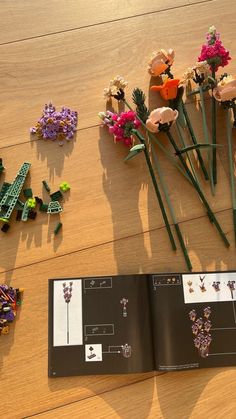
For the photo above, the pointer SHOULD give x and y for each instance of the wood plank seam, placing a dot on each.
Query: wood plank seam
(95, 395)
(104, 22)
(111, 241)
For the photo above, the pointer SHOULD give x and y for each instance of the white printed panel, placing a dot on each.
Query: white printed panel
(193, 293)
(93, 352)
(67, 316)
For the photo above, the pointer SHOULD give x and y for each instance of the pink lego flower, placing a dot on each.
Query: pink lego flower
(121, 125)
(213, 51)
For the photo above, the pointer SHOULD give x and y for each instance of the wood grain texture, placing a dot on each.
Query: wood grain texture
(119, 203)
(182, 395)
(62, 15)
(111, 221)
(23, 353)
(73, 68)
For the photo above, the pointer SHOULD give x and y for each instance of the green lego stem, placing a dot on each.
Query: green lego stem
(195, 142)
(206, 136)
(158, 194)
(171, 209)
(153, 138)
(213, 129)
(199, 191)
(231, 168)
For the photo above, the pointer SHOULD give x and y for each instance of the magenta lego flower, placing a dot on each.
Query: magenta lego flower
(213, 51)
(55, 125)
(121, 126)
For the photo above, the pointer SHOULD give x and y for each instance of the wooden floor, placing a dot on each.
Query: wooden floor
(67, 51)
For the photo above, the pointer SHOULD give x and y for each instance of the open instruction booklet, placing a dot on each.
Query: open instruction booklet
(138, 323)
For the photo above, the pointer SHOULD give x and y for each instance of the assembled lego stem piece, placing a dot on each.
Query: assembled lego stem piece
(67, 294)
(10, 198)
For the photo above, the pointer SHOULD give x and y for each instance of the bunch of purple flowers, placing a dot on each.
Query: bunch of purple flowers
(200, 329)
(55, 125)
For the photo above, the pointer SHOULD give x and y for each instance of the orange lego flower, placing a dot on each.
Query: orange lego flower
(168, 90)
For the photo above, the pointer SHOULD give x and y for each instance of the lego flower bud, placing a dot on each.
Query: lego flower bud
(162, 116)
(160, 61)
(168, 90)
(226, 89)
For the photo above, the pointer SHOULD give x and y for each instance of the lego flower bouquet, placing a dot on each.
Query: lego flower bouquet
(138, 127)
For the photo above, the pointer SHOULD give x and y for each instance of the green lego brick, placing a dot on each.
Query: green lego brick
(56, 196)
(58, 228)
(46, 186)
(4, 189)
(54, 207)
(28, 193)
(43, 207)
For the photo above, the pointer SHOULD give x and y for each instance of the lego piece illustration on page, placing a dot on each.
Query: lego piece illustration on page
(67, 313)
(99, 329)
(97, 283)
(209, 287)
(93, 352)
(124, 302)
(125, 350)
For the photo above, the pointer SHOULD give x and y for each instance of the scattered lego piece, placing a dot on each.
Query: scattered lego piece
(10, 198)
(5, 227)
(10, 298)
(32, 215)
(58, 228)
(64, 186)
(28, 193)
(46, 186)
(25, 212)
(19, 204)
(56, 196)
(54, 207)
(4, 189)
(31, 203)
(1, 166)
(43, 207)
(38, 200)
(19, 215)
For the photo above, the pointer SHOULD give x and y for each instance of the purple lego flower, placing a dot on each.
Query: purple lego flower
(199, 323)
(200, 329)
(207, 312)
(207, 325)
(195, 329)
(192, 315)
(55, 125)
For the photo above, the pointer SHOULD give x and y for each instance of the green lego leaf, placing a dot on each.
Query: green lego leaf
(134, 151)
(197, 146)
